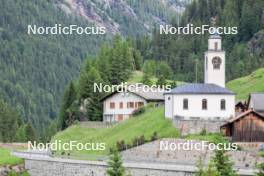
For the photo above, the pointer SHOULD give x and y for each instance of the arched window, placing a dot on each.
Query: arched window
(223, 104)
(204, 104)
(185, 103)
(216, 61)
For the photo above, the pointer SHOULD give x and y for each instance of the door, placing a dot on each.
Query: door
(120, 117)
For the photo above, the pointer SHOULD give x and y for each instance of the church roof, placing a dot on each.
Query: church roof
(199, 88)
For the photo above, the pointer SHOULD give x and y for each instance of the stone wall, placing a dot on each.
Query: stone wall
(90, 124)
(144, 160)
(196, 126)
(63, 167)
(151, 152)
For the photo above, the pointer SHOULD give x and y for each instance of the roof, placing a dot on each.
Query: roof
(147, 95)
(215, 34)
(257, 100)
(198, 88)
(242, 115)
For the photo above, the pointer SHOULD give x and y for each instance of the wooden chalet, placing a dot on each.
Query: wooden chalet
(246, 127)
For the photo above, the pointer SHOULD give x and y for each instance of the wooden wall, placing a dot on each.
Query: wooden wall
(249, 128)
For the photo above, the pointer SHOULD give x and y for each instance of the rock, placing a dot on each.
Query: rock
(256, 44)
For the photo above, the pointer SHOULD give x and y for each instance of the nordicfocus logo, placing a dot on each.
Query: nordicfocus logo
(66, 146)
(191, 29)
(58, 29)
(124, 87)
(194, 145)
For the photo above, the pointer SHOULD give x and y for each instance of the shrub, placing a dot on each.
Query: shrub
(121, 145)
(139, 111)
(154, 136)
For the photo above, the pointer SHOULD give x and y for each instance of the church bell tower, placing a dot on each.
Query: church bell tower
(214, 64)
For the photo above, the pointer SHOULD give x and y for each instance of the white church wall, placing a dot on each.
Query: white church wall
(195, 106)
(211, 44)
(168, 106)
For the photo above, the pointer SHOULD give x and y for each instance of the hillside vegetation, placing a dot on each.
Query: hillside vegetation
(8, 159)
(137, 77)
(245, 85)
(151, 121)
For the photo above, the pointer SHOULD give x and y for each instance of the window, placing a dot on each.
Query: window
(185, 103)
(120, 117)
(223, 104)
(130, 104)
(204, 104)
(121, 105)
(140, 104)
(112, 105)
(216, 45)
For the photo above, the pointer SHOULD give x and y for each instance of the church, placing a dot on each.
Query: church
(204, 101)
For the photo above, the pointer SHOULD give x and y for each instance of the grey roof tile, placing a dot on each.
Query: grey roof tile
(258, 101)
(199, 88)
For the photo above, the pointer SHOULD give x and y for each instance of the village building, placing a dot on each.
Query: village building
(256, 102)
(204, 101)
(119, 106)
(246, 127)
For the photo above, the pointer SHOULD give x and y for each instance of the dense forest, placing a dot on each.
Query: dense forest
(185, 52)
(12, 127)
(34, 69)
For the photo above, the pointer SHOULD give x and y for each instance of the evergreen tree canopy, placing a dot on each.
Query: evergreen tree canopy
(115, 165)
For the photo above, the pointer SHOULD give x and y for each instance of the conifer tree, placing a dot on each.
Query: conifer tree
(94, 106)
(10, 122)
(30, 133)
(146, 79)
(222, 164)
(69, 97)
(210, 171)
(261, 168)
(161, 81)
(20, 134)
(115, 165)
(138, 59)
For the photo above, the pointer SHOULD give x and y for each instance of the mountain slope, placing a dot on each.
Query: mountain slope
(245, 85)
(34, 69)
(127, 17)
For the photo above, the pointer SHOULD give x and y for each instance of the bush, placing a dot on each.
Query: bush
(121, 145)
(139, 111)
(154, 136)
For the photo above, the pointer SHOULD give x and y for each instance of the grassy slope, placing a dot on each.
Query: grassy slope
(7, 159)
(245, 85)
(152, 120)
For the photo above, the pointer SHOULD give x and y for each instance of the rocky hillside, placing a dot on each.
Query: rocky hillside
(125, 16)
